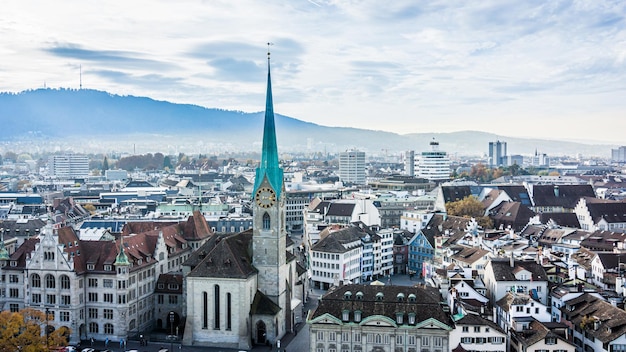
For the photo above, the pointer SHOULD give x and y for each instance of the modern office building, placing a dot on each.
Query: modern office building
(497, 154)
(409, 163)
(352, 167)
(433, 164)
(68, 166)
(618, 155)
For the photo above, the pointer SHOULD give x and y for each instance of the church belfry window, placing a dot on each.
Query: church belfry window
(216, 308)
(266, 221)
(205, 310)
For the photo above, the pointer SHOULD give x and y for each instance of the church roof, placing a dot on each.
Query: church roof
(223, 257)
(262, 305)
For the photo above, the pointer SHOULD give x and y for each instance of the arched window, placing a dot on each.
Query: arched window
(50, 283)
(35, 280)
(205, 310)
(228, 312)
(108, 329)
(65, 282)
(216, 308)
(266, 221)
(93, 327)
(378, 339)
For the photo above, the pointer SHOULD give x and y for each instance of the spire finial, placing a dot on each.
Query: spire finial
(268, 50)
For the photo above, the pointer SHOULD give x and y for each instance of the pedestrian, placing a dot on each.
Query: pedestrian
(106, 342)
(91, 340)
(121, 343)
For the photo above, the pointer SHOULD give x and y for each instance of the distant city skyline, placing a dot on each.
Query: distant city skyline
(528, 69)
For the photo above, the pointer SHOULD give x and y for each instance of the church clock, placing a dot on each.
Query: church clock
(265, 197)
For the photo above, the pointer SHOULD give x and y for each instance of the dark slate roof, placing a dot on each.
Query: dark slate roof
(223, 257)
(334, 241)
(171, 283)
(262, 305)
(491, 197)
(335, 208)
(22, 228)
(517, 193)
(455, 193)
(503, 271)
(475, 319)
(611, 260)
(614, 212)
(427, 304)
(513, 214)
(439, 223)
(469, 255)
(566, 196)
(562, 219)
(612, 319)
(603, 240)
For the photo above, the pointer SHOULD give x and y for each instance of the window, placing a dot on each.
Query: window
(66, 300)
(399, 339)
(108, 297)
(92, 297)
(64, 316)
(550, 340)
(357, 337)
(65, 282)
(108, 314)
(476, 328)
(92, 313)
(14, 307)
(320, 336)
(205, 307)
(35, 280)
(411, 340)
(266, 221)
(425, 340)
(216, 307)
(378, 338)
(229, 317)
(92, 282)
(50, 283)
(173, 299)
(108, 329)
(93, 327)
(51, 299)
(438, 341)
(108, 283)
(466, 329)
(35, 298)
(466, 340)
(160, 299)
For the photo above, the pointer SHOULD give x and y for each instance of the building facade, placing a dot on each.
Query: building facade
(352, 167)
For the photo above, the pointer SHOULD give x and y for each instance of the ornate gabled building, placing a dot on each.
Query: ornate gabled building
(381, 319)
(96, 289)
(239, 288)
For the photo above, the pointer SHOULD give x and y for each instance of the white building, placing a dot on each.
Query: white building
(336, 258)
(434, 164)
(352, 167)
(68, 166)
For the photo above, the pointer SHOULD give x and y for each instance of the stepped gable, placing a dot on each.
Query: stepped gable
(611, 212)
(566, 196)
(196, 228)
(224, 257)
(611, 320)
(384, 301)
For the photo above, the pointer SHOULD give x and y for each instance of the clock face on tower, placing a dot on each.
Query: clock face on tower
(265, 197)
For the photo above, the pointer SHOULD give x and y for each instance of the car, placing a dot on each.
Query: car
(88, 349)
(163, 350)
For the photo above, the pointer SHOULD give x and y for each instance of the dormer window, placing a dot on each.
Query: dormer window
(412, 298)
(399, 317)
(347, 296)
(550, 340)
(380, 296)
(400, 297)
(412, 318)
(172, 286)
(90, 267)
(345, 315)
(107, 268)
(357, 316)
(359, 296)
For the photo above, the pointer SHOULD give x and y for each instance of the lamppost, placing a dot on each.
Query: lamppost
(47, 330)
(171, 331)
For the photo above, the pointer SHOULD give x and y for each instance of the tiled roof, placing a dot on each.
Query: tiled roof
(603, 240)
(566, 196)
(334, 241)
(223, 257)
(562, 219)
(611, 320)
(614, 212)
(513, 214)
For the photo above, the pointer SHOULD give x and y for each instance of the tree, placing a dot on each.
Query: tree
(24, 331)
(470, 207)
(105, 165)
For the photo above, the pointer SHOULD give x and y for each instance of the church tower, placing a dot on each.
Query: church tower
(269, 233)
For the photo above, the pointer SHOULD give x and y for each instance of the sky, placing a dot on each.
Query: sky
(546, 69)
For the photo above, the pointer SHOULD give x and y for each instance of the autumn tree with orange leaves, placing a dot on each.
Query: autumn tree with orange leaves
(25, 331)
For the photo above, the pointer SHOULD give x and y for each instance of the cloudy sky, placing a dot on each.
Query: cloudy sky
(517, 68)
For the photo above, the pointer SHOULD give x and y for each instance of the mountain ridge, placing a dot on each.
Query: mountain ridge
(71, 113)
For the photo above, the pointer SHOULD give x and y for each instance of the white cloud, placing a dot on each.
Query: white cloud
(509, 67)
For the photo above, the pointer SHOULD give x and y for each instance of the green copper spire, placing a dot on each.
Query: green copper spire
(122, 259)
(269, 166)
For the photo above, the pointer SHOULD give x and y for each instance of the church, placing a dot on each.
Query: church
(240, 289)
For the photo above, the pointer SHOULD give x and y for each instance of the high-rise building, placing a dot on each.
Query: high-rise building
(497, 154)
(434, 164)
(68, 166)
(409, 163)
(618, 155)
(352, 167)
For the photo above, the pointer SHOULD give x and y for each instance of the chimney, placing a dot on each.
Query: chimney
(511, 260)
(556, 191)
